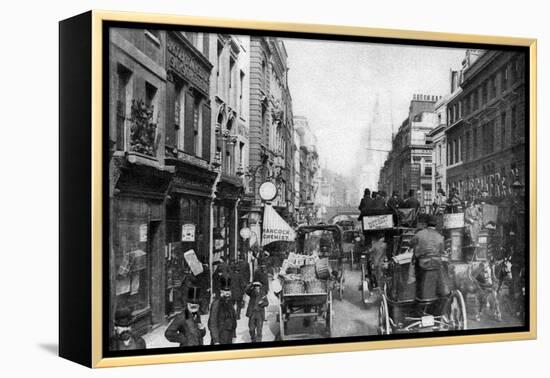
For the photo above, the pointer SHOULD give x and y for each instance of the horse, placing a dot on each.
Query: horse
(503, 272)
(479, 280)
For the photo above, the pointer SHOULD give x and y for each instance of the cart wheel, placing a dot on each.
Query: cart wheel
(281, 321)
(458, 318)
(384, 327)
(329, 318)
(341, 287)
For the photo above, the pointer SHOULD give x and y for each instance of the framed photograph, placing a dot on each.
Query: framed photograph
(233, 189)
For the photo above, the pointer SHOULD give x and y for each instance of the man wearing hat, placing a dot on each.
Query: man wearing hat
(256, 310)
(186, 328)
(124, 339)
(222, 322)
(432, 281)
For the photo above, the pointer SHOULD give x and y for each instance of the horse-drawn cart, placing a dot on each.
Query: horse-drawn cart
(314, 309)
(401, 311)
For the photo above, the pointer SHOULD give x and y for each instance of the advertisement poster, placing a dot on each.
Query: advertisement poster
(188, 232)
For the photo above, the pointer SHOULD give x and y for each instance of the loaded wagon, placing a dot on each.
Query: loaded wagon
(309, 278)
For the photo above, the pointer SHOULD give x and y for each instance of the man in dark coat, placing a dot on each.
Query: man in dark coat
(238, 285)
(221, 271)
(412, 202)
(222, 322)
(187, 328)
(124, 338)
(366, 203)
(256, 310)
(432, 281)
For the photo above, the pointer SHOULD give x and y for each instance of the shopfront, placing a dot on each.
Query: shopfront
(187, 231)
(225, 218)
(137, 229)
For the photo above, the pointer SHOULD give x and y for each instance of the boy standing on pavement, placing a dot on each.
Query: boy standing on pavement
(256, 310)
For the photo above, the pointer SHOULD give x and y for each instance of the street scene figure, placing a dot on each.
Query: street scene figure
(256, 310)
(222, 321)
(187, 328)
(333, 189)
(124, 338)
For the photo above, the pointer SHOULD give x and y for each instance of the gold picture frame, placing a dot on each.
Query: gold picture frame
(95, 20)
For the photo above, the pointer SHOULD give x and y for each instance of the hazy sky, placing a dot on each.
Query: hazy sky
(335, 85)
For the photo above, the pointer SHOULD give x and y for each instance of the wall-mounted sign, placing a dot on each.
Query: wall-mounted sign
(188, 232)
(143, 232)
(268, 191)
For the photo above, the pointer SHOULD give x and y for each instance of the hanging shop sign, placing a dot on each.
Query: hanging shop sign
(188, 232)
(193, 262)
(268, 191)
(143, 232)
(455, 220)
(377, 222)
(245, 233)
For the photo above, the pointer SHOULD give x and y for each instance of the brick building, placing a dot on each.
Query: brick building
(486, 132)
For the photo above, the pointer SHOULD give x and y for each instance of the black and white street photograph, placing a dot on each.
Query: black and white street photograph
(275, 188)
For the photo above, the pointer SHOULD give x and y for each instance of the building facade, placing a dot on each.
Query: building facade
(409, 163)
(271, 135)
(138, 175)
(486, 132)
(229, 83)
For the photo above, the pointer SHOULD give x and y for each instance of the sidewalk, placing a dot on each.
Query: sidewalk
(156, 339)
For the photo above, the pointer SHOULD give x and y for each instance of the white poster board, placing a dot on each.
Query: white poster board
(188, 232)
(143, 232)
(455, 220)
(377, 222)
(193, 262)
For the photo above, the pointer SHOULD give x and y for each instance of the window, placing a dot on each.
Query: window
(494, 86)
(197, 127)
(514, 70)
(439, 149)
(450, 153)
(514, 121)
(484, 93)
(456, 152)
(179, 116)
(219, 74)
(232, 85)
(466, 146)
(475, 138)
(241, 87)
(122, 104)
(475, 103)
(150, 94)
(503, 129)
(459, 149)
(504, 79)
(467, 105)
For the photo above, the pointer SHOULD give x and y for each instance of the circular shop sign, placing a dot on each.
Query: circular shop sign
(245, 233)
(268, 191)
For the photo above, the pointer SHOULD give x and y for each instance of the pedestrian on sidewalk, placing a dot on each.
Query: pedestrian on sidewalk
(187, 328)
(256, 310)
(124, 338)
(222, 322)
(238, 286)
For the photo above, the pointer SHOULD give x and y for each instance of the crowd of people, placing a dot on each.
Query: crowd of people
(231, 282)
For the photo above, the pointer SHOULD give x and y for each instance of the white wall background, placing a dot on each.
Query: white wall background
(28, 214)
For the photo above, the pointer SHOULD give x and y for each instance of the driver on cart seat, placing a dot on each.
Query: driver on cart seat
(432, 281)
